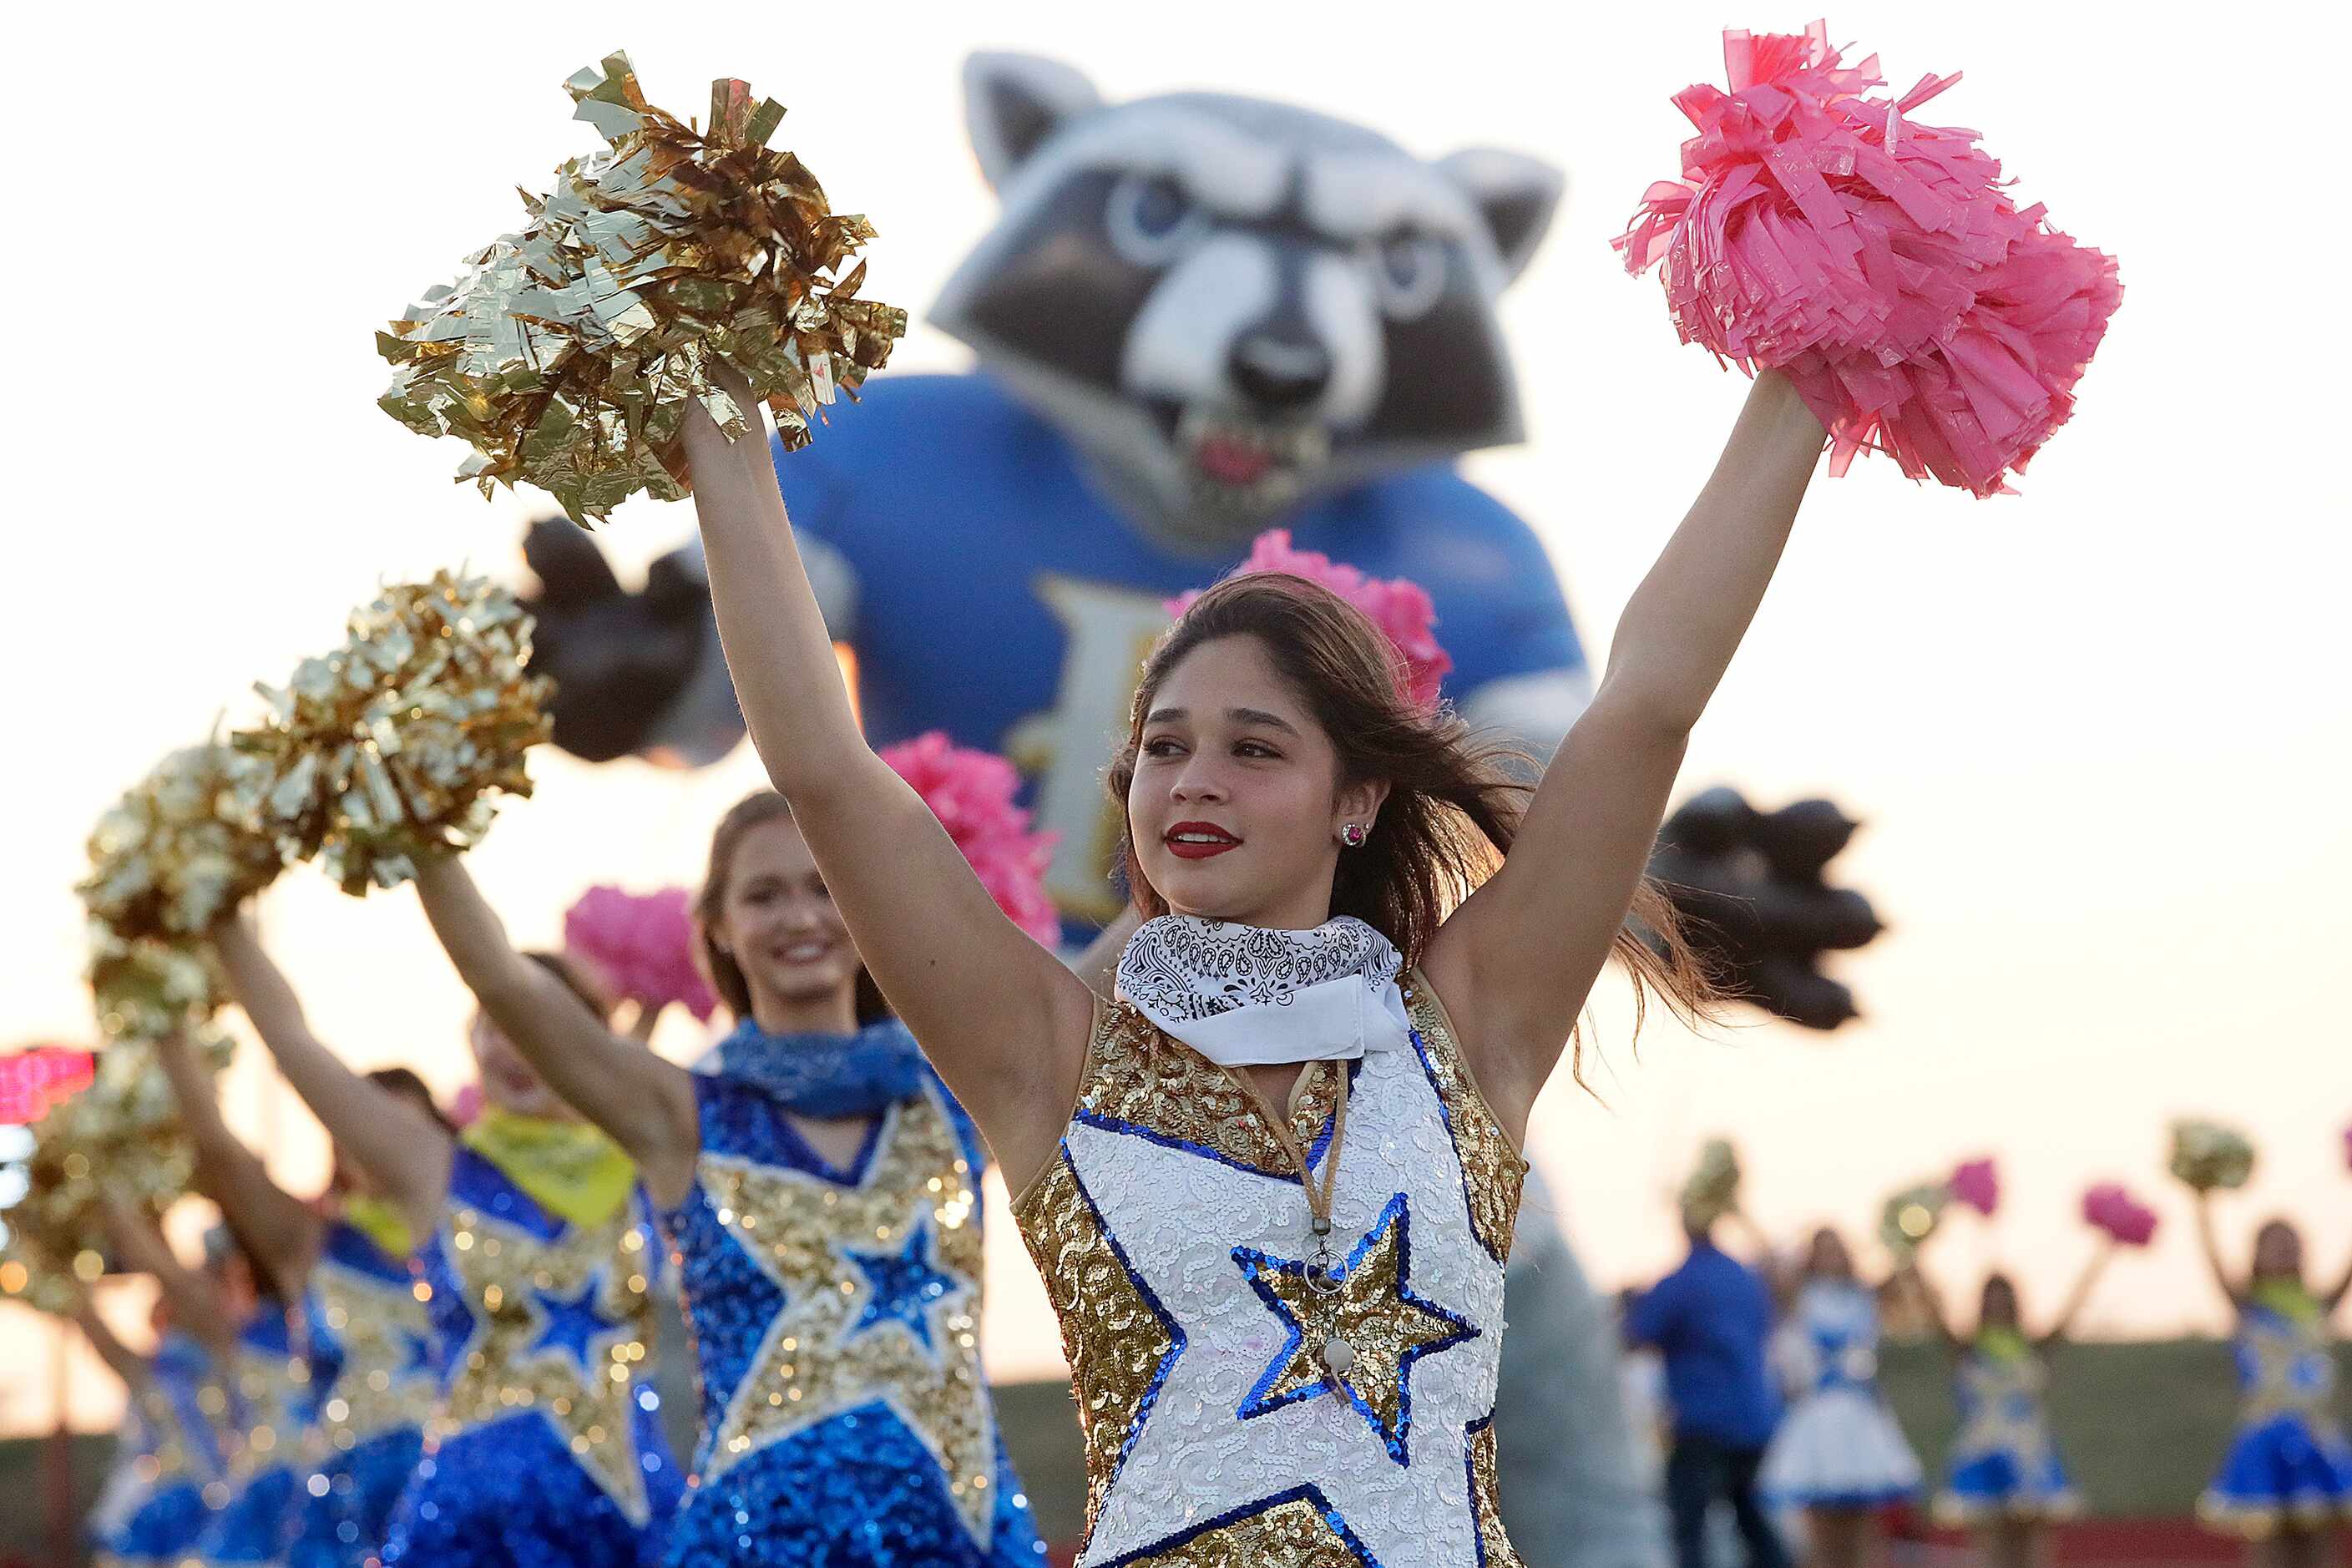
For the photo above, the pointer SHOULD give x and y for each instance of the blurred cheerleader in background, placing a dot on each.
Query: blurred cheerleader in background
(2286, 1482)
(544, 1445)
(819, 1186)
(349, 1259)
(1838, 1455)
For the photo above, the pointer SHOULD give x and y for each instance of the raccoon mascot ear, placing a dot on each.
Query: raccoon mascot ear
(1515, 194)
(1012, 103)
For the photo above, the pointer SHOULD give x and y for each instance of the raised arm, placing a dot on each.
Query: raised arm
(2085, 1283)
(1517, 960)
(281, 1225)
(404, 1153)
(125, 1362)
(2212, 1249)
(645, 1102)
(196, 1303)
(1002, 1019)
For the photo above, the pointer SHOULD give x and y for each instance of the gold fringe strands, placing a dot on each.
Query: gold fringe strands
(2208, 1155)
(398, 743)
(566, 353)
(180, 848)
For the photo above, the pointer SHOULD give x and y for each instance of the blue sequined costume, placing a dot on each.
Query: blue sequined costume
(2289, 1465)
(2003, 1464)
(158, 1509)
(273, 1395)
(836, 1311)
(547, 1447)
(371, 1322)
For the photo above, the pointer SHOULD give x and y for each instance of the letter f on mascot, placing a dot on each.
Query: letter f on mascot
(1199, 317)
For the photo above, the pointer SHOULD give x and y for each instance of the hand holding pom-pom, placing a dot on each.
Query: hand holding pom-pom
(971, 792)
(1976, 1183)
(1399, 606)
(180, 848)
(644, 945)
(1875, 261)
(2125, 1219)
(568, 353)
(2209, 1156)
(396, 744)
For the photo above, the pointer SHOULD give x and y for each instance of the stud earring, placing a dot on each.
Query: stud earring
(1353, 835)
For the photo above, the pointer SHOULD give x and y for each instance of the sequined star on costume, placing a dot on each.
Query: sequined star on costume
(1199, 1458)
(905, 1287)
(573, 1324)
(382, 1338)
(875, 1298)
(553, 1361)
(1374, 1313)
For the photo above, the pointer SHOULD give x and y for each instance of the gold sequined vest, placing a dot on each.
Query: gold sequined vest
(1172, 1233)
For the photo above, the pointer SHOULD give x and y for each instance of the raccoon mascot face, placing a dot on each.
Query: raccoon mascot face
(1229, 304)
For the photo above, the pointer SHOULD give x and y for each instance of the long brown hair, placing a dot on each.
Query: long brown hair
(758, 807)
(1454, 798)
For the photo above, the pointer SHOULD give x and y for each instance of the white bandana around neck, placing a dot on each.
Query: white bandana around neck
(1249, 996)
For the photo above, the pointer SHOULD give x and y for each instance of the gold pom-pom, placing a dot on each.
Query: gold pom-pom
(144, 987)
(1712, 1190)
(2208, 1155)
(1910, 1217)
(121, 1136)
(180, 849)
(566, 353)
(397, 744)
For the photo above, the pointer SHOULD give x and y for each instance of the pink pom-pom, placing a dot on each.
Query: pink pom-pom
(1399, 606)
(1874, 261)
(465, 1108)
(643, 943)
(2126, 1219)
(1977, 1184)
(971, 794)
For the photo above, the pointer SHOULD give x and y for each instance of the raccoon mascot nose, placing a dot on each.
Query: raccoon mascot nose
(1281, 370)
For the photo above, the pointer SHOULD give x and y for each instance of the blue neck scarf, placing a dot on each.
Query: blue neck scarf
(822, 1075)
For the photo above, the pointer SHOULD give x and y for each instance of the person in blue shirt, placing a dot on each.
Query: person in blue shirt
(1711, 1320)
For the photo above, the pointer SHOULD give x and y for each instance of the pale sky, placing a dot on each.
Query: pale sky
(2097, 730)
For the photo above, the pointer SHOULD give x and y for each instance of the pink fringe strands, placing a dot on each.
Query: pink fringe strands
(644, 945)
(971, 792)
(1873, 260)
(2126, 1220)
(1977, 1184)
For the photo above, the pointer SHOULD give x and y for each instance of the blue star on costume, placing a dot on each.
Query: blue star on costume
(1373, 1310)
(575, 1322)
(845, 1419)
(547, 1447)
(904, 1287)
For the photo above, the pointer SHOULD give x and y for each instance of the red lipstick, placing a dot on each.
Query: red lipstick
(1198, 840)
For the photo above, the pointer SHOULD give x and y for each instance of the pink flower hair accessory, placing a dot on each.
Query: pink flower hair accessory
(1877, 262)
(1399, 606)
(643, 944)
(971, 792)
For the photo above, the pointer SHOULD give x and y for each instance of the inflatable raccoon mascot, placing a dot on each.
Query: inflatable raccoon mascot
(1198, 318)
